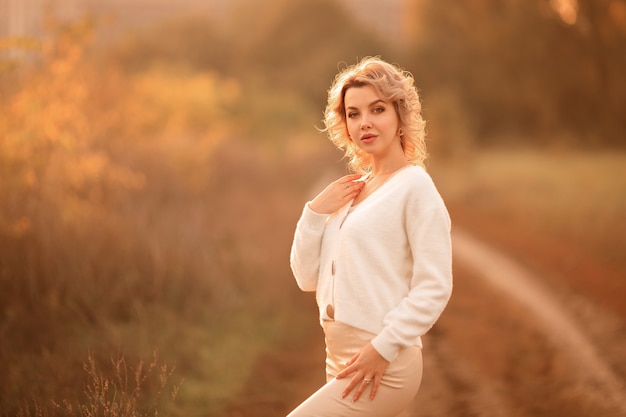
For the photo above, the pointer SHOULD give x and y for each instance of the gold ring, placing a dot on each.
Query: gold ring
(367, 381)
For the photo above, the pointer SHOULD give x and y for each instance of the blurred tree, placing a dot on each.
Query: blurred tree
(283, 45)
(601, 26)
(297, 45)
(522, 72)
(188, 41)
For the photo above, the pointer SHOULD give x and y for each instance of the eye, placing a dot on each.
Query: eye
(378, 109)
(352, 114)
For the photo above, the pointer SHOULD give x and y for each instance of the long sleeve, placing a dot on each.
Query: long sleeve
(430, 286)
(306, 248)
(384, 265)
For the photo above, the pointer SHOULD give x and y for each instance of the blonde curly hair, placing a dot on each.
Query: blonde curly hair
(392, 84)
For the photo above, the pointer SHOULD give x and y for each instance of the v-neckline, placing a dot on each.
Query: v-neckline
(393, 174)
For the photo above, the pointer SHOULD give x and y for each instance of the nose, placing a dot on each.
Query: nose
(365, 123)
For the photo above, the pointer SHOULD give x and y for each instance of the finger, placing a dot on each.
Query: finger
(352, 360)
(350, 178)
(375, 386)
(353, 179)
(352, 189)
(346, 372)
(344, 188)
(351, 385)
(361, 388)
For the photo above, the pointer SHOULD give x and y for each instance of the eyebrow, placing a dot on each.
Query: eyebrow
(369, 105)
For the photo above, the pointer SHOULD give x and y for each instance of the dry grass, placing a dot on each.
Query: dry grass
(137, 214)
(570, 195)
(559, 213)
(133, 217)
(120, 391)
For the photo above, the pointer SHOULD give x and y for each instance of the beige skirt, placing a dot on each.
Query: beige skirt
(398, 387)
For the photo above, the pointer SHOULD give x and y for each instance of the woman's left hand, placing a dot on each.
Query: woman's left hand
(367, 368)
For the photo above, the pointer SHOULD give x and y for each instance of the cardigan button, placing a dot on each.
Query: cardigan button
(330, 311)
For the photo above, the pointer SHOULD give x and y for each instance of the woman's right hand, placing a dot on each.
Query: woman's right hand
(337, 194)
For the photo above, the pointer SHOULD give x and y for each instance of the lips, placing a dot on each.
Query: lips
(368, 138)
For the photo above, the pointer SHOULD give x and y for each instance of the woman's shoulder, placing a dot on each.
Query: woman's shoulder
(419, 184)
(418, 176)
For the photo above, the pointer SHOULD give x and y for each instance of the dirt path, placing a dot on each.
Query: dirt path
(505, 346)
(591, 380)
(522, 286)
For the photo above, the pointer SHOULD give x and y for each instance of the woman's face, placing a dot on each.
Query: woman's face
(372, 122)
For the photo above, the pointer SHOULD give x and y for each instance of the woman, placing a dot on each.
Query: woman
(375, 246)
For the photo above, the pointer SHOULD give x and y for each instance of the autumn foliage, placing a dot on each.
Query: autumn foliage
(150, 183)
(109, 221)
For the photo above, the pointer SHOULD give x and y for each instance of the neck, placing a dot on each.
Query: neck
(391, 161)
(388, 168)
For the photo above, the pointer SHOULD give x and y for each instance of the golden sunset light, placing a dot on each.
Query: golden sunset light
(156, 157)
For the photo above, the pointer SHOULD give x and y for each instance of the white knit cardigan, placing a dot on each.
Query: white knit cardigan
(384, 265)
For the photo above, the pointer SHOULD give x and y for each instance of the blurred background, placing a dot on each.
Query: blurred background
(155, 157)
